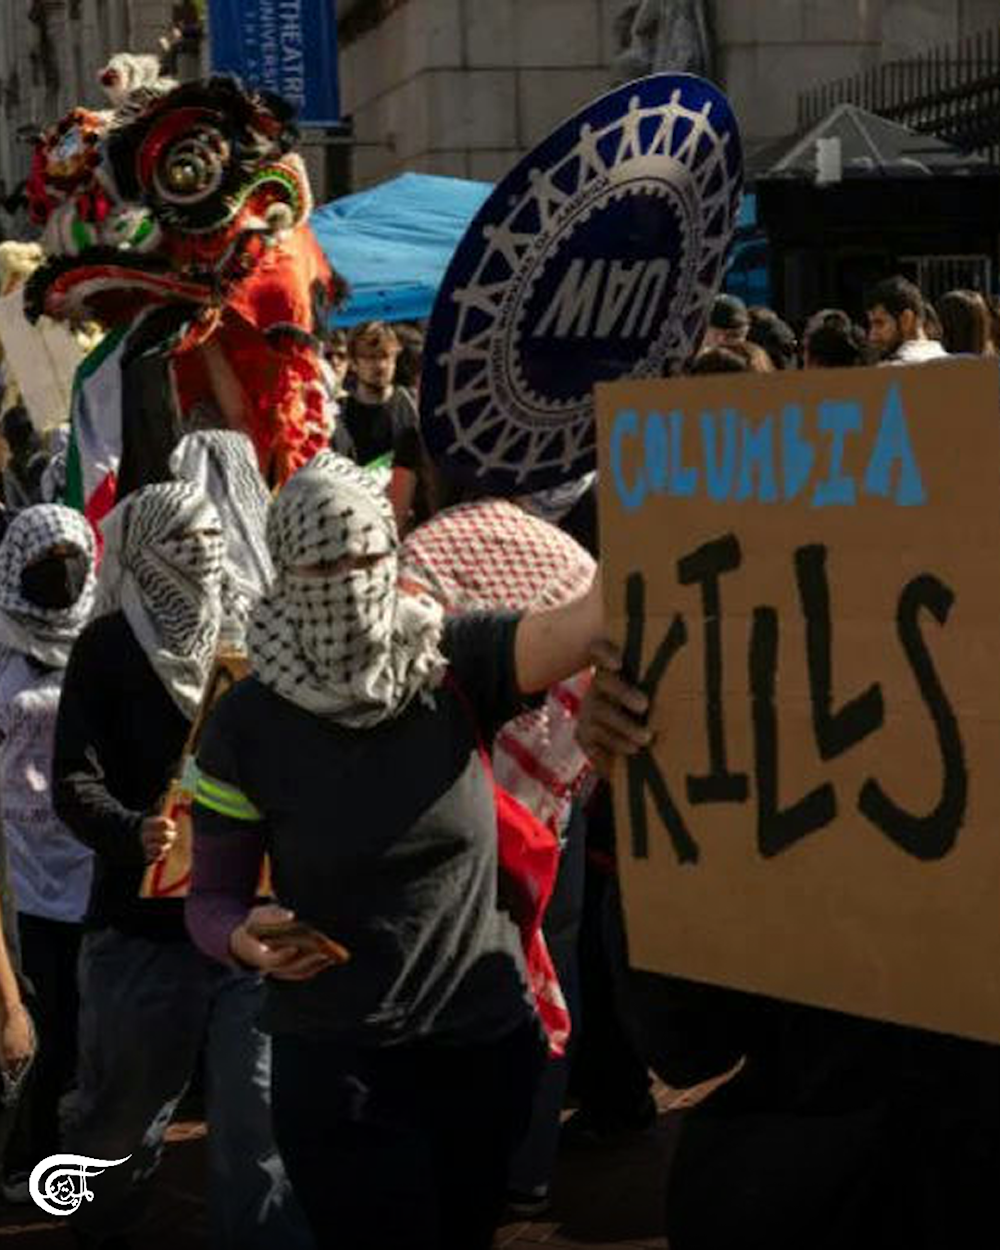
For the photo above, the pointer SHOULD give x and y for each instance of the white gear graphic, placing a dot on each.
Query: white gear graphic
(671, 152)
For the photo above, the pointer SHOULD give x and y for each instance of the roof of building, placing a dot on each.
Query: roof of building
(871, 146)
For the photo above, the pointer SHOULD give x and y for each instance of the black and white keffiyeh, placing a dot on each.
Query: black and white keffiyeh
(224, 464)
(349, 645)
(162, 566)
(45, 634)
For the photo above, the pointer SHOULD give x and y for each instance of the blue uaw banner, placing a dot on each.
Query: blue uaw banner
(596, 258)
(285, 46)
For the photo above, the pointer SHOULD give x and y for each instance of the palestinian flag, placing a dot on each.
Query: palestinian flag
(95, 447)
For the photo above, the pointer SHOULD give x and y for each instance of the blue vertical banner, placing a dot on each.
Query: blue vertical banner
(285, 46)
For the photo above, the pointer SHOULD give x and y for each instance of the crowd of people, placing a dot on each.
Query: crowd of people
(903, 327)
(402, 953)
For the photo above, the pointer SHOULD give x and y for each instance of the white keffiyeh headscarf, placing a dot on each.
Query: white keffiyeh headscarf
(162, 566)
(224, 464)
(45, 634)
(349, 646)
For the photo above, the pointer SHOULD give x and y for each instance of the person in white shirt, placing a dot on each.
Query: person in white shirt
(46, 594)
(896, 323)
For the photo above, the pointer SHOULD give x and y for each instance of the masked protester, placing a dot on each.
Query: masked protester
(149, 1000)
(224, 464)
(354, 756)
(46, 594)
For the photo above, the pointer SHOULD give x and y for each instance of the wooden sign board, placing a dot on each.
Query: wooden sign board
(804, 569)
(171, 876)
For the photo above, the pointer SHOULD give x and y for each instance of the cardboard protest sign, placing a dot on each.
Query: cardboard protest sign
(596, 257)
(171, 876)
(43, 359)
(804, 569)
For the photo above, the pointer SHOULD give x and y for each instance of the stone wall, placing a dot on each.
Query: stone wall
(464, 87)
(771, 50)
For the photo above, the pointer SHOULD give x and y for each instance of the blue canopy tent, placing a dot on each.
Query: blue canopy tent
(394, 241)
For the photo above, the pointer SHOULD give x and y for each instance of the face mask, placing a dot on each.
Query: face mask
(55, 582)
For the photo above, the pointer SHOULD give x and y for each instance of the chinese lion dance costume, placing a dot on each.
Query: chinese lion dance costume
(178, 220)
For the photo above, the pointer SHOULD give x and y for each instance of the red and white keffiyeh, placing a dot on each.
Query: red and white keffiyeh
(488, 555)
(491, 554)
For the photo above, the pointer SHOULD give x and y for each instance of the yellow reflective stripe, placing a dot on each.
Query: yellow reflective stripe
(213, 805)
(226, 800)
(234, 801)
(238, 811)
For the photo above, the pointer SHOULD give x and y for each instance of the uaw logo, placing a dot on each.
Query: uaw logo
(597, 258)
(59, 1183)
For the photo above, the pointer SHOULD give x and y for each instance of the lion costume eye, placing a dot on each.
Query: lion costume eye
(192, 167)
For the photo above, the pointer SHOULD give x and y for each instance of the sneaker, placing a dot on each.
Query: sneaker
(15, 1189)
(530, 1205)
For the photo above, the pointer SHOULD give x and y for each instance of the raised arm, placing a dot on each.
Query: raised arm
(555, 643)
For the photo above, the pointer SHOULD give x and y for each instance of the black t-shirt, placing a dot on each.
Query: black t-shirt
(384, 838)
(378, 430)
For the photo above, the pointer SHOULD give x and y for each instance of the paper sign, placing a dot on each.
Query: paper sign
(805, 571)
(171, 877)
(42, 358)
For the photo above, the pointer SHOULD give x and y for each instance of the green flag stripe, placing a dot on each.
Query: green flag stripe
(73, 493)
(94, 359)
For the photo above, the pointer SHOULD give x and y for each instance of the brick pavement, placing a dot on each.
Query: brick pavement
(607, 1198)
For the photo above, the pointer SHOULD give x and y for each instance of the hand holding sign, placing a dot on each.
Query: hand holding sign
(613, 716)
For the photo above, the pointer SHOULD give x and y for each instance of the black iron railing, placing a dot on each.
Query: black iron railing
(951, 91)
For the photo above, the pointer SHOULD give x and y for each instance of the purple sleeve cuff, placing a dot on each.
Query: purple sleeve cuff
(224, 877)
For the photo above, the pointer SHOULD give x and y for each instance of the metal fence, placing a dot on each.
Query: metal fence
(937, 274)
(951, 91)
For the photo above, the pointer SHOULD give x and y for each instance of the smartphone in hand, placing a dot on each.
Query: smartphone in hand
(301, 935)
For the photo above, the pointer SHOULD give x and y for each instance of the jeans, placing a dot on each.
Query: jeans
(50, 952)
(403, 1146)
(146, 1010)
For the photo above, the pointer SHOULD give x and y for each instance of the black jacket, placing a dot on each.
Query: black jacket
(119, 739)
